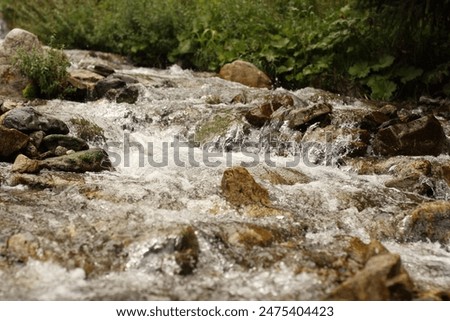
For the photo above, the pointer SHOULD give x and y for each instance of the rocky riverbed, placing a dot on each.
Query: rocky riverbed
(175, 185)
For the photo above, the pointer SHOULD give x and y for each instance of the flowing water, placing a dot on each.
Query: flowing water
(115, 235)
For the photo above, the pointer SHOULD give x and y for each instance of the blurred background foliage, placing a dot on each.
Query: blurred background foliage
(380, 49)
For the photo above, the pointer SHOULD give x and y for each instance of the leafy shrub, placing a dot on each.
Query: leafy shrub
(374, 48)
(46, 70)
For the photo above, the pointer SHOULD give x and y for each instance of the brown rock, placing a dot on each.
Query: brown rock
(302, 116)
(245, 73)
(187, 250)
(11, 141)
(429, 221)
(282, 176)
(446, 173)
(23, 246)
(423, 136)
(241, 189)
(23, 164)
(382, 278)
(258, 116)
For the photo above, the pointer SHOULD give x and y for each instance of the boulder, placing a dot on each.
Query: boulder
(299, 117)
(92, 160)
(106, 84)
(245, 73)
(11, 81)
(27, 120)
(423, 136)
(103, 70)
(258, 116)
(240, 188)
(382, 278)
(11, 142)
(23, 164)
(129, 94)
(429, 221)
(51, 142)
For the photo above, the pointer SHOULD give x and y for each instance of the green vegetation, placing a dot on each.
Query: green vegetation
(376, 48)
(46, 70)
(87, 130)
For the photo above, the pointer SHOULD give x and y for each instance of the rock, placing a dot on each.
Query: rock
(36, 138)
(251, 235)
(187, 250)
(258, 116)
(47, 180)
(83, 84)
(241, 189)
(446, 173)
(85, 76)
(382, 278)
(429, 221)
(23, 246)
(245, 73)
(423, 136)
(19, 39)
(129, 94)
(92, 160)
(11, 142)
(11, 81)
(23, 164)
(27, 119)
(106, 84)
(51, 142)
(331, 143)
(302, 116)
(103, 70)
(60, 151)
(281, 176)
(361, 252)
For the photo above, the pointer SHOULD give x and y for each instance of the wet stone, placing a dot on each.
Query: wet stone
(187, 250)
(429, 221)
(28, 119)
(423, 136)
(240, 188)
(299, 117)
(382, 278)
(23, 164)
(92, 160)
(51, 142)
(23, 246)
(11, 141)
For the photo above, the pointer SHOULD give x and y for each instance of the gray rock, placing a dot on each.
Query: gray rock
(51, 142)
(129, 95)
(105, 85)
(11, 81)
(423, 136)
(11, 141)
(27, 119)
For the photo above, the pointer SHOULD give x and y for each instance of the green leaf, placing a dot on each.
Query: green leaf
(382, 88)
(408, 73)
(359, 70)
(384, 62)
